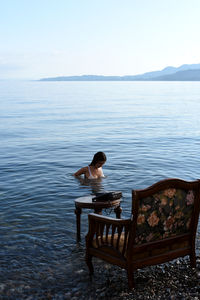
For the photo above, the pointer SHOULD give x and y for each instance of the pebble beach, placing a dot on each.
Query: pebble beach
(70, 279)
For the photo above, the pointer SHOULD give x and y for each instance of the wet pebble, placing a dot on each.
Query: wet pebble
(171, 281)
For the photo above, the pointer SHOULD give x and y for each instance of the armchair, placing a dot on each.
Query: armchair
(162, 227)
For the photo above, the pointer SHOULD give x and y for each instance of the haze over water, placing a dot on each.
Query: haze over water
(148, 130)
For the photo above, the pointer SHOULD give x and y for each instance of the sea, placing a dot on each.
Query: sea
(149, 131)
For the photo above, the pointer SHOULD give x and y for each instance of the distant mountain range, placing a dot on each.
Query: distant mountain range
(182, 73)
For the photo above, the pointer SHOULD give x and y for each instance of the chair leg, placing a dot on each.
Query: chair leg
(193, 259)
(130, 278)
(88, 259)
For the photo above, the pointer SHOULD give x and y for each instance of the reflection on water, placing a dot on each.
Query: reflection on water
(94, 184)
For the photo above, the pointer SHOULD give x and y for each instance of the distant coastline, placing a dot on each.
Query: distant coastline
(182, 73)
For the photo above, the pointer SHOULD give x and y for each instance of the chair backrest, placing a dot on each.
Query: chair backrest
(167, 209)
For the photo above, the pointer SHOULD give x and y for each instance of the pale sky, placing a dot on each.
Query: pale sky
(49, 38)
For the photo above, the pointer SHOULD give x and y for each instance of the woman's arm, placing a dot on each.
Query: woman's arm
(101, 173)
(80, 172)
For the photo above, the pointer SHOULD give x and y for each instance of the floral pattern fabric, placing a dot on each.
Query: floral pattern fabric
(164, 214)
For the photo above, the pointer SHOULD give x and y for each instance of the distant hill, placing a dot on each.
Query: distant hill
(182, 73)
(187, 75)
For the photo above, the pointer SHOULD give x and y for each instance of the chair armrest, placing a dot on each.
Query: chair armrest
(108, 232)
(107, 220)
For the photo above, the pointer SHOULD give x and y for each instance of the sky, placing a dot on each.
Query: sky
(50, 38)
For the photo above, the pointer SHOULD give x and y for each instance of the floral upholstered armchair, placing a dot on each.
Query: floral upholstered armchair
(162, 227)
(164, 214)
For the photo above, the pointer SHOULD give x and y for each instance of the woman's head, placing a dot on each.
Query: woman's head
(98, 160)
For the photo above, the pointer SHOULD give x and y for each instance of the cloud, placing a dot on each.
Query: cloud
(9, 71)
(9, 67)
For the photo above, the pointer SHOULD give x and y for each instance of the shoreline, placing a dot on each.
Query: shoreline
(69, 279)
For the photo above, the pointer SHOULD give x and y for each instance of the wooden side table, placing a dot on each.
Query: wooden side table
(86, 202)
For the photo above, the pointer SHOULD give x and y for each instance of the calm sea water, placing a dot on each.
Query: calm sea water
(148, 130)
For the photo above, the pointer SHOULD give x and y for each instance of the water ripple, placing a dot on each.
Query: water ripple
(148, 131)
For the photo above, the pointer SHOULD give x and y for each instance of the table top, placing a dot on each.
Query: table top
(86, 202)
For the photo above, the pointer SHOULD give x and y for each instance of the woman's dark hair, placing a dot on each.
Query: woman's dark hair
(99, 156)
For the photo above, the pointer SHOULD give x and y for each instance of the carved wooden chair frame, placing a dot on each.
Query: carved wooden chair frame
(138, 242)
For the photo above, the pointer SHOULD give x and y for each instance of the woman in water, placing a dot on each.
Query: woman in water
(94, 170)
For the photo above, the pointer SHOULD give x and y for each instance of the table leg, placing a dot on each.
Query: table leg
(78, 212)
(118, 211)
